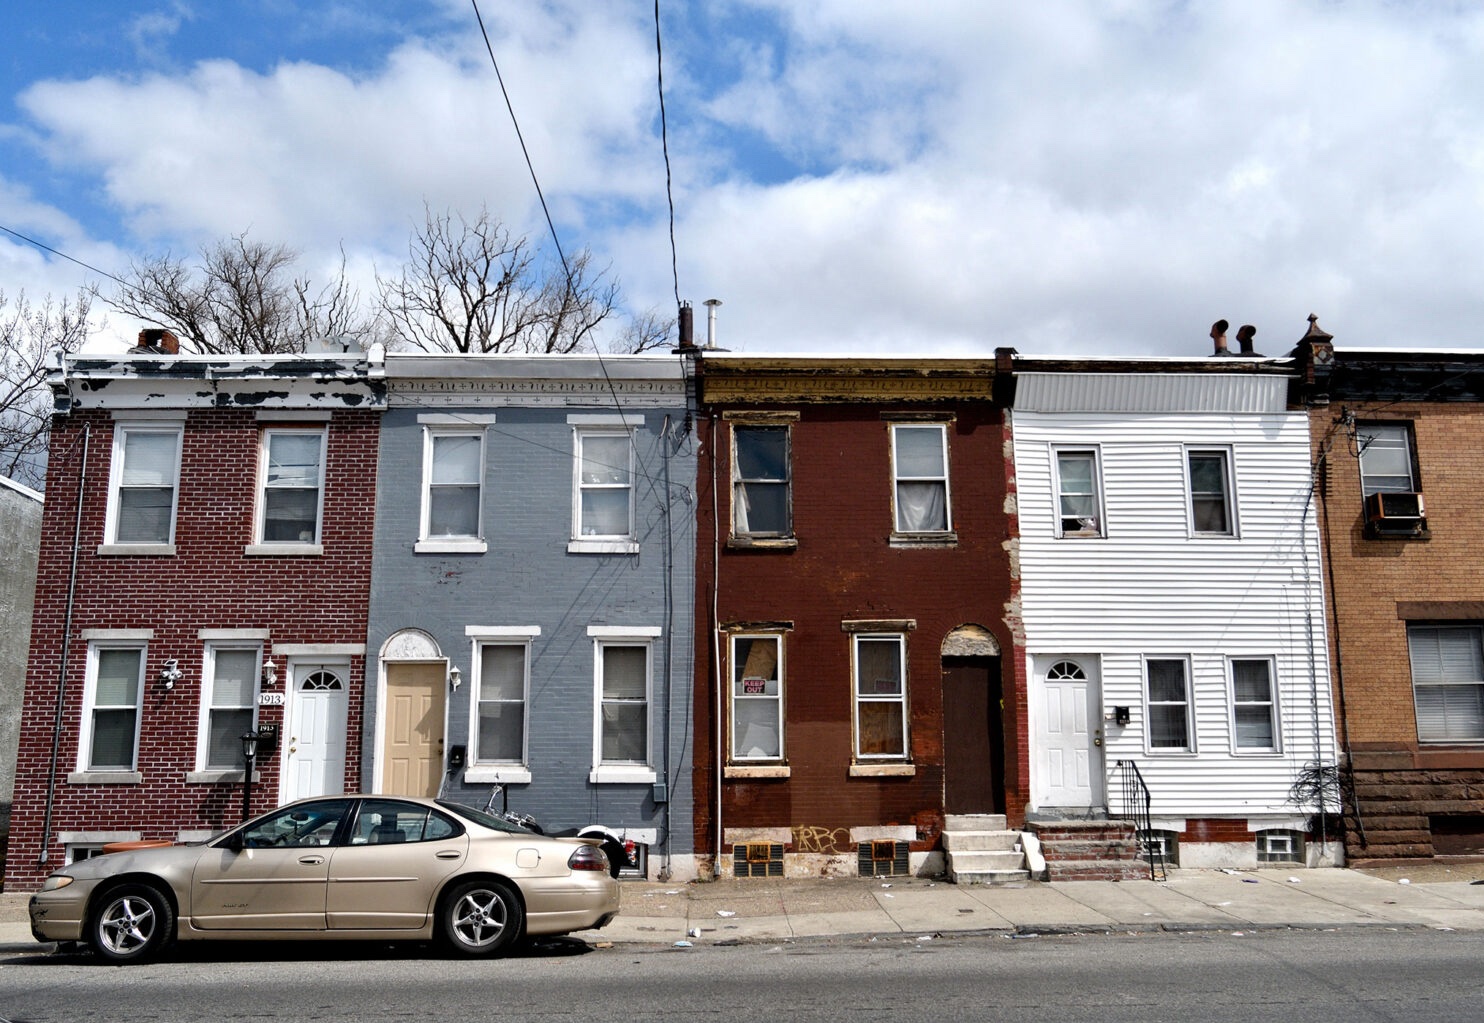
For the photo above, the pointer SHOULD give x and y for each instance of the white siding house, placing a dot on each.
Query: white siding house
(1172, 602)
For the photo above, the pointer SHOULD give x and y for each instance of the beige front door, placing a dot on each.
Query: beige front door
(412, 729)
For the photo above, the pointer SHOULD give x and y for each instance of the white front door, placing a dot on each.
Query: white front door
(1069, 734)
(314, 749)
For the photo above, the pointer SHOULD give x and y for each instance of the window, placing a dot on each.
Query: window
(453, 471)
(500, 698)
(1447, 682)
(1079, 500)
(1160, 846)
(1210, 492)
(1277, 845)
(880, 697)
(604, 499)
(1169, 705)
(111, 717)
(761, 498)
(390, 822)
(621, 729)
(1386, 465)
(228, 697)
(146, 468)
(297, 827)
(919, 456)
(757, 698)
(293, 486)
(1254, 709)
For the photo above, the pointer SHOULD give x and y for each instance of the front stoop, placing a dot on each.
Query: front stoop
(980, 849)
(1090, 850)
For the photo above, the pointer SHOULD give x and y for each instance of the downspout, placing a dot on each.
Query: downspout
(1339, 664)
(51, 777)
(1309, 645)
(718, 704)
(669, 573)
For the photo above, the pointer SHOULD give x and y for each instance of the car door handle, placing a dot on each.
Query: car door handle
(311, 860)
(448, 854)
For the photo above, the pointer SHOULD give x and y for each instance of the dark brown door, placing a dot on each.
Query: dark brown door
(973, 736)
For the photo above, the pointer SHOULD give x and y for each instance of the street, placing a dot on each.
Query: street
(1349, 974)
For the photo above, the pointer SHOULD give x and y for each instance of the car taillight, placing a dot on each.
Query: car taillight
(588, 857)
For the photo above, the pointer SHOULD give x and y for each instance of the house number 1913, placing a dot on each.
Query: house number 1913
(270, 700)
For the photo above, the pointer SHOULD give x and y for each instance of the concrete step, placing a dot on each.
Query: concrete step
(980, 841)
(976, 861)
(975, 822)
(987, 876)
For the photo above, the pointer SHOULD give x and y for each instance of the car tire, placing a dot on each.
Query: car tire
(131, 924)
(479, 918)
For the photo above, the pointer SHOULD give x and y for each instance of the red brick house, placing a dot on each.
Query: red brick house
(204, 571)
(1399, 438)
(856, 650)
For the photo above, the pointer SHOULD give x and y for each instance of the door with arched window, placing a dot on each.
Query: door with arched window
(1068, 733)
(314, 753)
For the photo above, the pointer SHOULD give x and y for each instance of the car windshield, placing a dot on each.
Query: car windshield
(487, 820)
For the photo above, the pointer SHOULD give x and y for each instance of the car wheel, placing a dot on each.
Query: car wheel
(480, 918)
(132, 924)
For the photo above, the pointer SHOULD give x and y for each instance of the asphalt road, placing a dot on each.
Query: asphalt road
(1355, 974)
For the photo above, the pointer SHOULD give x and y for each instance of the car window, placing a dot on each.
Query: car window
(314, 824)
(484, 819)
(389, 822)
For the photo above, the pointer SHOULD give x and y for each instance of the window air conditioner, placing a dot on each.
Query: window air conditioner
(1395, 512)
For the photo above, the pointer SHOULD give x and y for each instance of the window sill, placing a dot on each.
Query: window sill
(1372, 533)
(497, 774)
(762, 543)
(219, 777)
(136, 550)
(602, 547)
(284, 550)
(883, 770)
(756, 771)
(613, 774)
(949, 539)
(450, 547)
(105, 778)
(1088, 535)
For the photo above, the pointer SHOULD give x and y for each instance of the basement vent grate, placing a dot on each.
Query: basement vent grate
(758, 859)
(883, 859)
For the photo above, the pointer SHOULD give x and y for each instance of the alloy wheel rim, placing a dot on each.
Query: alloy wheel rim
(479, 917)
(128, 924)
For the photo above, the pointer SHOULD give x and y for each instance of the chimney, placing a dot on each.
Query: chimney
(1218, 335)
(1245, 334)
(157, 339)
(687, 328)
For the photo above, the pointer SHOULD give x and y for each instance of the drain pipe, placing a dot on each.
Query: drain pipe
(669, 572)
(717, 704)
(51, 778)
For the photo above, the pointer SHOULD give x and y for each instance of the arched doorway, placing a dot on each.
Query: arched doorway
(411, 715)
(973, 723)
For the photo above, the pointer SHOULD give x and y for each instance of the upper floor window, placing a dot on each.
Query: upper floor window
(110, 721)
(293, 476)
(603, 498)
(757, 698)
(1254, 705)
(500, 698)
(761, 498)
(919, 455)
(145, 476)
(1079, 496)
(880, 696)
(453, 473)
(1447, 682)
(229, 694)
(1210, 479)
(1168, 696)
(1386, 465)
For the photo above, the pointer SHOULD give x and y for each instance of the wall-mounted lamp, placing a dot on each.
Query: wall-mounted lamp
(270, 673)
(170, 674)
(455, 677)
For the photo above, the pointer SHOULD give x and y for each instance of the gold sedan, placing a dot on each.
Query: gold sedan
(335, 868)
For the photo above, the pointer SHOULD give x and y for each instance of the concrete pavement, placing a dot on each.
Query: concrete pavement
(1237, 901)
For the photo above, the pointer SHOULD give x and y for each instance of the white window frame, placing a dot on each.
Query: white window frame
(1451, 672)
(1274, 717)
(759, 699)
(601, 543)
(122, 428)
(265, 441)
(1279, 845)
(740, 483)
(1382, 436)
(1100, 526)
(208, 701)
(1228, 484)
(1151, 704)
(505, 771)
(858, 699)
(898, 480)
(453, 542)
(96, 648)
(623, 636)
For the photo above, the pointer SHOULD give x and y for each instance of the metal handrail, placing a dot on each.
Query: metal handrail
(1136, 805)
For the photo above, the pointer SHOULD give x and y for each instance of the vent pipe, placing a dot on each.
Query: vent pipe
(1218, 336)
(711, 306)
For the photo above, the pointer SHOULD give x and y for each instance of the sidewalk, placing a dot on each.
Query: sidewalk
(781, 910)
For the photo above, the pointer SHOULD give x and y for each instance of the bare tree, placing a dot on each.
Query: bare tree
(469, 285)
(29, 334)
(242, 297)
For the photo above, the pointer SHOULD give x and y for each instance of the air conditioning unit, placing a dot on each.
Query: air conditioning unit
(1395, 512)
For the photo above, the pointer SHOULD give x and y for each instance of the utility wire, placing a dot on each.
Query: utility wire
(55, 252)
(659, 63)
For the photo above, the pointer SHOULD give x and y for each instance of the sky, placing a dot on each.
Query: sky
(903, 177)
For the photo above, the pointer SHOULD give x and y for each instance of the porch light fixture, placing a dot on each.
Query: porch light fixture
(455, 677)
(249, 754)
(270, 673)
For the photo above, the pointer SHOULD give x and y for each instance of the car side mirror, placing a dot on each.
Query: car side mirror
(233, 842)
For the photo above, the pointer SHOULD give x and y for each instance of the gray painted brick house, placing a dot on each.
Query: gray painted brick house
(531, 605)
